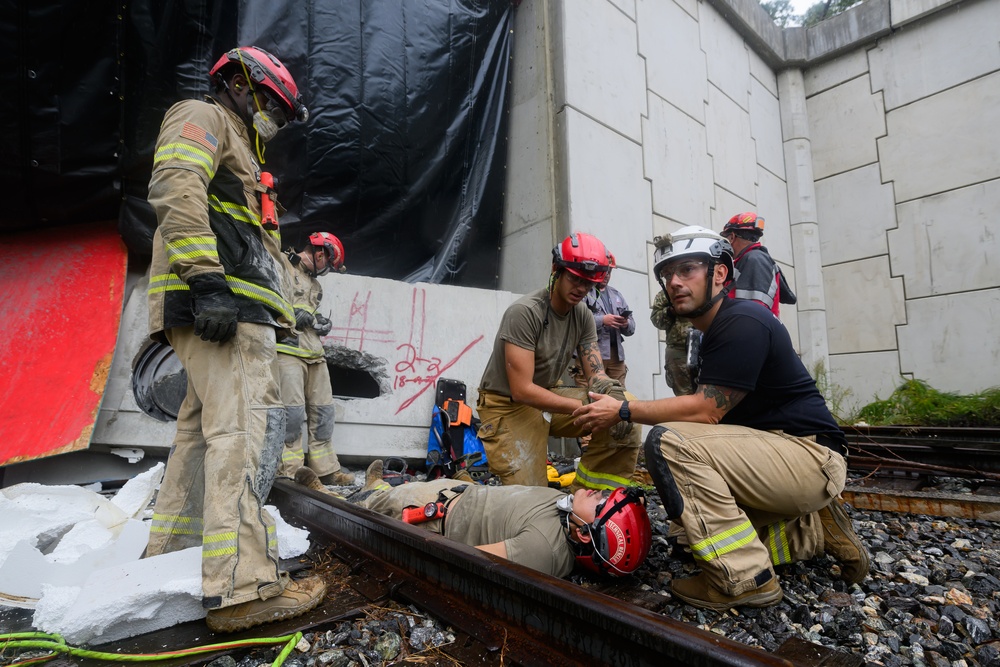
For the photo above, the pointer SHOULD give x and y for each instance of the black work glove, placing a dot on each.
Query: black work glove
(604, 385)
(322, 325)
(215, 310)
(303, 319)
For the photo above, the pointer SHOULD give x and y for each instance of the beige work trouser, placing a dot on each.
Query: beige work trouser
(750, 497)
(222, 465)
(516, 437)
(308, 396)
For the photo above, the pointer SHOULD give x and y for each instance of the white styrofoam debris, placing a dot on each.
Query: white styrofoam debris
(133, 498)
(74, 556)
(292, 541)
(26, 570)
(147, 595)
(43, 514)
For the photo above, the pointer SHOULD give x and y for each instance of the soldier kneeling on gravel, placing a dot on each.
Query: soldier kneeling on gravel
(752, 463)
(605, 531)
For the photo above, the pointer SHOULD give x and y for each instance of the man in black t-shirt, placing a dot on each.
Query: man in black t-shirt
(752, 463)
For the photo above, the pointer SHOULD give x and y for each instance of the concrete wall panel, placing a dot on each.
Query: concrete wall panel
(668, 37)
(941, 345)
(765, 128)
(948, 243)
(607, 83)
(726, 55)
(529, 172)
(855, 209)
(859, 379)
(627, 7)
(835, 72)
(958, 46)
(607, 193)
(730, 145)
(772, 203)
(863, 304)
(525, 258)
(945, 141)
(726, 206)
(845, 122)
(905, 11)
(762, 73)
(677, 164)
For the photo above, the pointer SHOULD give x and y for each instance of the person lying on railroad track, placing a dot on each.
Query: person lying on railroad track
(542, 528)
(752, 464)
(522, 401)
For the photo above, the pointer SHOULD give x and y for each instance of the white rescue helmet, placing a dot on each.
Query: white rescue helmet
(694, 242)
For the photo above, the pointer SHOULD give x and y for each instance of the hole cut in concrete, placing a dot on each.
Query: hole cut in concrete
(355, 374)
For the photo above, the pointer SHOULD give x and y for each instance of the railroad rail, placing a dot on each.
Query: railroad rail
(951, 451)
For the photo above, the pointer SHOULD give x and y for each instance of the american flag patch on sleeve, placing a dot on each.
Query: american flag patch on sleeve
(198, 135)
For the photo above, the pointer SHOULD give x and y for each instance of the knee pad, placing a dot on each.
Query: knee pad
(663, 479)
(323, 416)
(270, 455)
(294, 416)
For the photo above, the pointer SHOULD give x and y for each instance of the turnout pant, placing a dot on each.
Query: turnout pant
(516, 439)
(222, 464)
(747, 499)
(308, 396)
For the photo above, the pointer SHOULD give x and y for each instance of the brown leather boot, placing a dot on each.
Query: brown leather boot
(841, 542)
(339, 478)
(373, 477)
(298, 597)
(697, 591)
(308, 478)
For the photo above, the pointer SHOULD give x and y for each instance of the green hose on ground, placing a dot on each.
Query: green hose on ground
(56, 644)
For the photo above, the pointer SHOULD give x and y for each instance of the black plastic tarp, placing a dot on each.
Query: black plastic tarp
(402, 157)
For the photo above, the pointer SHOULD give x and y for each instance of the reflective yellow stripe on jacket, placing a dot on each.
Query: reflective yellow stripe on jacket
(193, 246)
(239, 213)
(171, 282)
(186, 153)
(299, 352)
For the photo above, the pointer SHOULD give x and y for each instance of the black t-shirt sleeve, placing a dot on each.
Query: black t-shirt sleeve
(735, 353)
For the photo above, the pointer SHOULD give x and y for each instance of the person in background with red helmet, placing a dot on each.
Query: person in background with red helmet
(752, 463)
(521, 398)
(758, 277)
(216, 296)
(603, 531)
(306, 390)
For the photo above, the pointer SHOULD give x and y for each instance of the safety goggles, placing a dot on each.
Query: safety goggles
(684, 270)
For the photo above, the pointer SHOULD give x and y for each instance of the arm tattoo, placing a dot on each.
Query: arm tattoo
(725, 398)
(590, 358)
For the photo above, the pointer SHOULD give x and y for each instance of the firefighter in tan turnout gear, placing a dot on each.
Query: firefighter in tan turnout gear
(215, 295)
(305, 378)
(752, 463)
